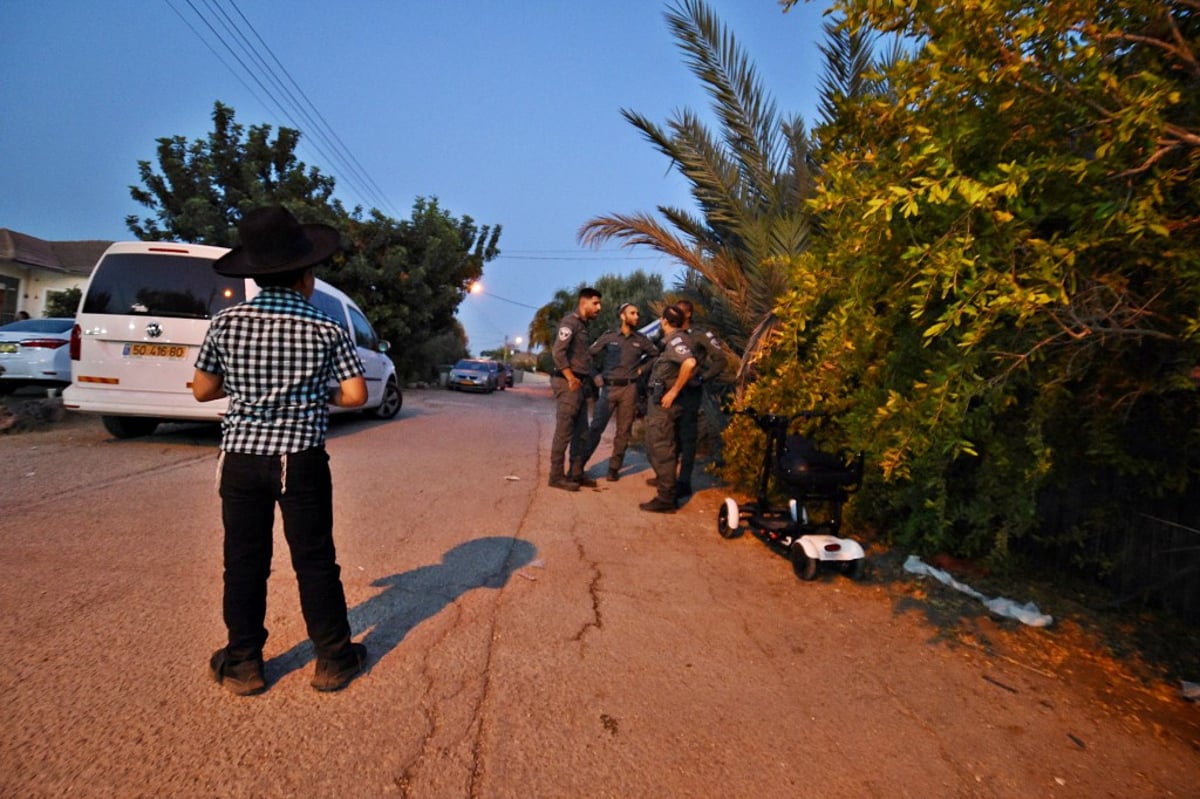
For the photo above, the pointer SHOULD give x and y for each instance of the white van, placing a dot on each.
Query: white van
(142, 319)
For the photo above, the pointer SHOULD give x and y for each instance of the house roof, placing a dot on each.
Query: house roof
(63, 257)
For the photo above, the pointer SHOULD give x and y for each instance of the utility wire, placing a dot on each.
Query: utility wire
(323, 122)
(351, 170)
(235, 35)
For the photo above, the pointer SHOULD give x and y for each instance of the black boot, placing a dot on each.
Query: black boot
(658, 505)
(563, 483)
(578, 476)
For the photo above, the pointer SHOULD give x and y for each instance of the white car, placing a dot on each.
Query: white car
(143, 318)
(35, 352)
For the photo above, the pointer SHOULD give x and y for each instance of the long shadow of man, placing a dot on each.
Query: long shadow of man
(414, 596)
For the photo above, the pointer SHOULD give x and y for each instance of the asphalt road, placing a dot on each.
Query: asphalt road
(524, 642)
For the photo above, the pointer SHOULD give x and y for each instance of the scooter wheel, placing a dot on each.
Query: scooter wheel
(729, 521)
(804, 566)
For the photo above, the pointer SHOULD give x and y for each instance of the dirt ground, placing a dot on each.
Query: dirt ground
(1127, 662)
(1131, 660)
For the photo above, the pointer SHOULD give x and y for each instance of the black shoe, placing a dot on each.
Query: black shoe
(613, 475)
(564, 484)
(334, 675)
(658, 505)
(683, 490)
(583, 480)
(243, 679)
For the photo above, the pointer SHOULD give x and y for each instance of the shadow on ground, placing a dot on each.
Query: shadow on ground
(414, 596)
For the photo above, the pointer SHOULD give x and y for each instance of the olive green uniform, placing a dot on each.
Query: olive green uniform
(710, 356)
(570, 351)
(662, 423)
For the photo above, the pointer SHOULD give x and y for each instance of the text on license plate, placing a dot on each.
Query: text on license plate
(155, 351)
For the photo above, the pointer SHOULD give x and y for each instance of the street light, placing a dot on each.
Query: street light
(516, 341)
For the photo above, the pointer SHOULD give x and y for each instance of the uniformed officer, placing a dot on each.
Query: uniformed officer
(668, 376)
(572, 366)
(711, 356)
(625, 354)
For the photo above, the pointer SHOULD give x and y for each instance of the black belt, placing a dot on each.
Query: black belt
(617, 381)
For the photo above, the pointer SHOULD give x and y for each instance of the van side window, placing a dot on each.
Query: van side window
(364, 334)
(160, 285)
(331, 305)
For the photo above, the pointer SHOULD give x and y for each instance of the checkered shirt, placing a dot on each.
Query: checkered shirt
(278, 355)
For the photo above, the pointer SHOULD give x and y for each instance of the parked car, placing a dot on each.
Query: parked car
(145, 313)
(496, 369)
(473, 374)
(35, 352)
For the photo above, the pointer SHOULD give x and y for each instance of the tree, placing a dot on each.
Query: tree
(1002, 303)
(63, 303)
(749, 180)
(205, 186)
(408, 276)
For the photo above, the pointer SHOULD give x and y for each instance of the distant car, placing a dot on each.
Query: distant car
(508, 374)
(471, 374)
(35, 352)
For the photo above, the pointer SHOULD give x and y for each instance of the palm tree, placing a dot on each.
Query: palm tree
(544, 326)
(749, 179)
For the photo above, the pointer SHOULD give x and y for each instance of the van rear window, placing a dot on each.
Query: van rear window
(161, 285)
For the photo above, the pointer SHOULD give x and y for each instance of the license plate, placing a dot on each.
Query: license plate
(155, 351)
(8, 348)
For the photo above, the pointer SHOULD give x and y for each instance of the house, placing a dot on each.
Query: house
(31, 269)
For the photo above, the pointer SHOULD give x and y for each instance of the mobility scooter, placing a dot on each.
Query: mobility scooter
(816, 485)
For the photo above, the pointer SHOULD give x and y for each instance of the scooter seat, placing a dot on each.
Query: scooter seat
(802, 465)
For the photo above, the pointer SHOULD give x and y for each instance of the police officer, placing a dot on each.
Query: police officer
(668, 376)
(572, 366)
(711, 357)
(625, 353)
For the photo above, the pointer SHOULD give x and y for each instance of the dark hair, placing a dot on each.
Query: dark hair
(685, 306)
(281, 279)
(587, 293)
(673, 315)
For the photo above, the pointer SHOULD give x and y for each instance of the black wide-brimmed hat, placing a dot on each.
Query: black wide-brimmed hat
(272, 241)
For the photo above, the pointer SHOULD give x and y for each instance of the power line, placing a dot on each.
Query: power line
(322, 140)
(354, 162)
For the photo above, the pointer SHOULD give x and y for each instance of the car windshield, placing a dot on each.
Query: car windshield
(471, 366)
(38, 326)
(161, 285)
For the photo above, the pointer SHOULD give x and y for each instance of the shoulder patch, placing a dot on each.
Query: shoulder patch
(564, 333)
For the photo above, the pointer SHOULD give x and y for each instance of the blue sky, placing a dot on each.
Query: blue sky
(507, 112)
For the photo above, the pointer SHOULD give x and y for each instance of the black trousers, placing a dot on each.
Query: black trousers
(300, 483)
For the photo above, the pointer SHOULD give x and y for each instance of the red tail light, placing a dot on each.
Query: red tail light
(76, 342)
(833, 547)
(43, 343)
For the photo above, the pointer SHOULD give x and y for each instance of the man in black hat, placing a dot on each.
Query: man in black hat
(275, 357)
(625, 354)
(668, 376)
